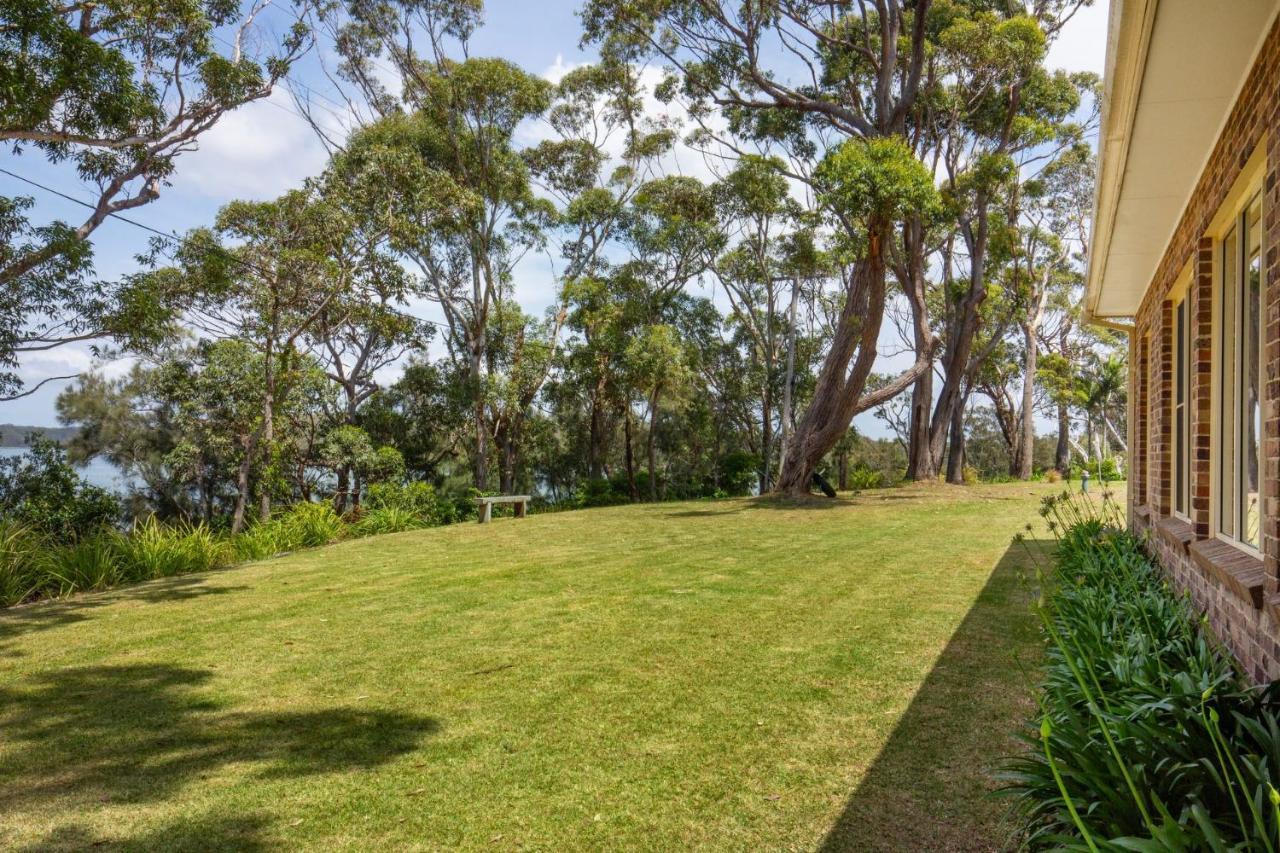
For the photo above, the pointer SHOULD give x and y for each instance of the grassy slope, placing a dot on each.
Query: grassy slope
(718, 675)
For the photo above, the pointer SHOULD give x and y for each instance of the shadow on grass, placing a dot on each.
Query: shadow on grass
(78, 737)
(42, 615)
(242, 833)
(930, 788)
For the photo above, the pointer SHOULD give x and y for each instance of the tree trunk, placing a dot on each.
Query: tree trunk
(1062, 454)
(507, 475)
(653, 446)
(922, 464)
(480, 470)
(955, 455)
(630, 455)
(766, 436)
(840, 385)
(1028, 404)
(789, 380)
(242, 484)
(595, 450)
(268, 442)
(922, 460)
(842, 471)
(344, 489)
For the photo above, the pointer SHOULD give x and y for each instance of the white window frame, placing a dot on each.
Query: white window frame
(1234, 216)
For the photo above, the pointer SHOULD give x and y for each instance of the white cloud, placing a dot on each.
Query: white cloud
(256, 152)
(1082, 44)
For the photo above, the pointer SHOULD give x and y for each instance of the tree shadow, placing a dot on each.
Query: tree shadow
(930, 788)
(42, 615)
(242, 833)
(139, 733)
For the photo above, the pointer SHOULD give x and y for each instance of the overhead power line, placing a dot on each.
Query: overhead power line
(169, 237)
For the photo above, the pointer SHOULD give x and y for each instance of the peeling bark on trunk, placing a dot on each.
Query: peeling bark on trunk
(844, 370)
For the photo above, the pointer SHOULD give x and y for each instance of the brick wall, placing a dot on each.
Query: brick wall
(1248, 623)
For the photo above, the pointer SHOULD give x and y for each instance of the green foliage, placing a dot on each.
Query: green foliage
(40, 490)
(310, 525)
(387, 519)
(878, 178)
(20, 578)
(1149, 738)
(738, 473)
(865, 476)
(155, 550)
(417, 499)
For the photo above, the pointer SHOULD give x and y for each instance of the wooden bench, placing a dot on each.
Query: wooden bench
(484, 506)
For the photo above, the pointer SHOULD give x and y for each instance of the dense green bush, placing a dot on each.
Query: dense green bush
(1149, 737)
(387, 519)
(416, 498)
(40, 490)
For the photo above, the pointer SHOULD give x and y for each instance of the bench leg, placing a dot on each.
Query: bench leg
(485, 511)
(520, 509)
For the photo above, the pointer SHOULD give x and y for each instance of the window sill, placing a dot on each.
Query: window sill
(1242, 573)
(1177, 533)
(1143, 511)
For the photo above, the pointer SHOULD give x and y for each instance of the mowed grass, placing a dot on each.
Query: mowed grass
(728, 675)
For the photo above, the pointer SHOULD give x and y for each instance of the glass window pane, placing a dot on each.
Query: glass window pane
(1179, 409)
(1250, 381)
(1227, 355)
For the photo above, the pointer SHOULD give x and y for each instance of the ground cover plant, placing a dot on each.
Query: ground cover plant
(737, 674)
(1149, 737)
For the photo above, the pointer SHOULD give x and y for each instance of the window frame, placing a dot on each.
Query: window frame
(1180, 402)
(1226, 429)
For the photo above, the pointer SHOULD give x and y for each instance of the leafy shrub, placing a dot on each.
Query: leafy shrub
(602, 492)
(388, 519)
(1149, 736)
(970, 475)
(261, 540)
(155, 550)
(418, 499)
(1106, 469)
(90, 562)
(42, 491)
(1053, 475)
(863, 476)
(309, 525)
(19, 574)
(738, 473)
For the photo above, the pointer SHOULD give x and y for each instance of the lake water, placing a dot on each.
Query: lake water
(98, 472)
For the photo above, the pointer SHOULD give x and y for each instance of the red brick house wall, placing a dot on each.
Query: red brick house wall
(1237, 592)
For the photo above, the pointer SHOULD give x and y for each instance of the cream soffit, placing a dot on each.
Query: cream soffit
(1174, 69)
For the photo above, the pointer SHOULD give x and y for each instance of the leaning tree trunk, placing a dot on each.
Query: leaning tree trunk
(922, 460)
(840, 385)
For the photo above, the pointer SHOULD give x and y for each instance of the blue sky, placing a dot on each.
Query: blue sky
(265, 148)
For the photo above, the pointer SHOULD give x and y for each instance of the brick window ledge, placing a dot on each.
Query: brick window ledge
(1142, 511)
(1177, 533)
(1241, 573)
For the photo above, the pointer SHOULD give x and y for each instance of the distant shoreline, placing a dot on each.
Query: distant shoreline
(15, 435)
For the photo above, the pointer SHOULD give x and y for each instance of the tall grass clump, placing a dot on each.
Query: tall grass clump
(155, 550)
(387, 519)
(310, 525)
(1148, 736)
(91, 562)
(20, 578)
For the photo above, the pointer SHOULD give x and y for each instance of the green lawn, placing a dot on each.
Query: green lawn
(728, 675)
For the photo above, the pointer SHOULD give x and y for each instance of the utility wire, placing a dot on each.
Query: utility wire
(168, 236)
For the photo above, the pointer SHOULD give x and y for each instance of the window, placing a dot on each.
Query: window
(1240, 357)
(1181, 418)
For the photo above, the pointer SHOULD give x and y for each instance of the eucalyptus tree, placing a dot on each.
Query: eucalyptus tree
(121, 90)
(847, 74)
(265, 275)
(994, 115)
